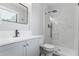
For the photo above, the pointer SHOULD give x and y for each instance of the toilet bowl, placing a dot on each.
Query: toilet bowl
(47, 49)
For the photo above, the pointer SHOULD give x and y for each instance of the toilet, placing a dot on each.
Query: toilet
(46, 49)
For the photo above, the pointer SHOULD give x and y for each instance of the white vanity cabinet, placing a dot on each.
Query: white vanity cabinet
(13, 49)
(28, 47)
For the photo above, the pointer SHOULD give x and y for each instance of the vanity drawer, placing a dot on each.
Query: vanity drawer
(11, 45)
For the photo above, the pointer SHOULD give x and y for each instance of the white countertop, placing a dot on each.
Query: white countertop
(4, 41)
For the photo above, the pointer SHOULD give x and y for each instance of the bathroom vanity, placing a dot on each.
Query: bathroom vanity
(21, 46)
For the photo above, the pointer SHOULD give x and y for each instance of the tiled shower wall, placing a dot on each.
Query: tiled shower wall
(65, 30)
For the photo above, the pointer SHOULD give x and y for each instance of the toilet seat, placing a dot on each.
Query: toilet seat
(48, 47)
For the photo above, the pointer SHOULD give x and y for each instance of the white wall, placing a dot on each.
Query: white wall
(65, 29)
(36, 21)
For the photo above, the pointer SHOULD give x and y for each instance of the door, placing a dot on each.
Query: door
(32, 47)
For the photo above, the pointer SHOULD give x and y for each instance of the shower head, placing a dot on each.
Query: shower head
(54, 11)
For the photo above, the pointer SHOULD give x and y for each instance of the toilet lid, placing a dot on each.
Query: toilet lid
(48, 46)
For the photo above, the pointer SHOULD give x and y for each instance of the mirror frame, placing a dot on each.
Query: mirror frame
(27, 13)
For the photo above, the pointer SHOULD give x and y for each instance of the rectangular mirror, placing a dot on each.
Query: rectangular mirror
(7, 16)
(14, 12)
